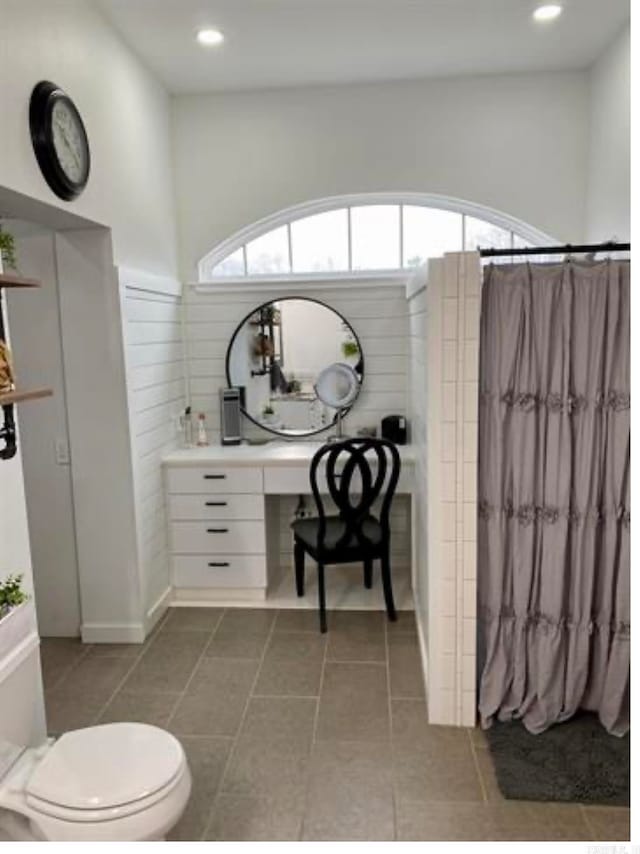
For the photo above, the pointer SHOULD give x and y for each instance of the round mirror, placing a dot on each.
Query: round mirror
(283, 357)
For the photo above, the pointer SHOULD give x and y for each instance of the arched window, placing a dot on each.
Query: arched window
(356, 236)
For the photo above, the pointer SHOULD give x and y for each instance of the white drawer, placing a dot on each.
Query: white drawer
(192, 507)
(213, 480)
(224, 537)
(219, 571)
(287, 480)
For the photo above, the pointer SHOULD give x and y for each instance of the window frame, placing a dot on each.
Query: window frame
(287, 216)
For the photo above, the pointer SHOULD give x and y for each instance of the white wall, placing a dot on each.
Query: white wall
(516, 143)
(126, 113)
(609, 168)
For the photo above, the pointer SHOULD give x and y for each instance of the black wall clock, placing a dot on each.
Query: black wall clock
(59, 140)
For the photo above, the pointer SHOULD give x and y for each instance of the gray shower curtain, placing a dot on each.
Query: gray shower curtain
(553, 493)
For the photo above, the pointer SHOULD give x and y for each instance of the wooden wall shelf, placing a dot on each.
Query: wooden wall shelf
(12, 280)
(19, 396)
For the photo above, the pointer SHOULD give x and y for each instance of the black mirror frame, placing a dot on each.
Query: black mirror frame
(359, 368)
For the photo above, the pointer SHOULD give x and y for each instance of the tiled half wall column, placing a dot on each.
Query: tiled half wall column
(452, 328)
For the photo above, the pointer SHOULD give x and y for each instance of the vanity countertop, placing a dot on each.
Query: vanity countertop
(272, 453)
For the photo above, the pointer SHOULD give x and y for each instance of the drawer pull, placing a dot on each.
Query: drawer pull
(219, 563)
(214, 476)
(215, 503)
(217, 530)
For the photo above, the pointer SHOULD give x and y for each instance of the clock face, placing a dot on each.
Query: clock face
(59, 140)
(69, 141)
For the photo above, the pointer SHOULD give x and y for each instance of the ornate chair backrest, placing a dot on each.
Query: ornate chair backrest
(357, 473)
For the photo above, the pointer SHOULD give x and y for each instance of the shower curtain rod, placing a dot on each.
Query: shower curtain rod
(567, 249)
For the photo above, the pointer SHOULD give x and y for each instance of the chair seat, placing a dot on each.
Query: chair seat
(307, 531)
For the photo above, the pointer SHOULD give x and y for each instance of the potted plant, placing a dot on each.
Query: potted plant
(7, 250)
(17, 618)
(268, 414)
(11, 594)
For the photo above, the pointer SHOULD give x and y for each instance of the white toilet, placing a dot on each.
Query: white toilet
(116, 782)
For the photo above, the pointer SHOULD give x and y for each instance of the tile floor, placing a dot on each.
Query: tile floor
(293, 735)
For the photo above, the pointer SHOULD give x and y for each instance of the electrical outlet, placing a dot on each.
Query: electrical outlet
(61, 447)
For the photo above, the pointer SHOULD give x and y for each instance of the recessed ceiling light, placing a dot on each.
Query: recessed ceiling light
(547, 12)
(210, 37)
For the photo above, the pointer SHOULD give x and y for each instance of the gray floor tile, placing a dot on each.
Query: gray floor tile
(298, 646)
(331, 817)
(167, 664)
(192, 619)
(117, 650)
(411, 729)
(261, 770)
(240, 818)
(519, 821)
(354, 703)
(410, 726)
(488, 776)
(405, 667)
(66, 711)
(608, 824)
(455, 822)
(58, 656)
(226, 675)
(356, 646)
(284, 723)
(292, 665)
(349, 767)
(423, 776)
(206, 711)
(358, 621)
(289, 678)
(152, 709)
(207, 758)
(298, 620)
(236, 644)
(98, 677)
(250, 620)
(405, 624)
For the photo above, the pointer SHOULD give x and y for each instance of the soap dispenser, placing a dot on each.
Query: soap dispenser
(202, 433)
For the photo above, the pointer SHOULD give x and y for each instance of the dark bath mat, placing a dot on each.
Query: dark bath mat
(574, 761)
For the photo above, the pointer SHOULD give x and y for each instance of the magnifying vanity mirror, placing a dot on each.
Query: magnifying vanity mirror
(279, 358)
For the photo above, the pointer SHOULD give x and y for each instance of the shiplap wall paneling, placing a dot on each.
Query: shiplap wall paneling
(378, 316)
(155, 372)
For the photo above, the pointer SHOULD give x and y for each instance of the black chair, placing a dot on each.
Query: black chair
(354, 534)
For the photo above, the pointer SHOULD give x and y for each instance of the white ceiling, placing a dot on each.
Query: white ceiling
(300, 42)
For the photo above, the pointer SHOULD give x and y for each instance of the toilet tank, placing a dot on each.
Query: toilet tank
(22, 717)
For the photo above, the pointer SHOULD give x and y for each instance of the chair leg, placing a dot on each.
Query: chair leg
(386, 586)
(298, 554)
(321, 599)
(368, 573)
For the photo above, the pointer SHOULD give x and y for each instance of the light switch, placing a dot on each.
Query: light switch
(62, 452)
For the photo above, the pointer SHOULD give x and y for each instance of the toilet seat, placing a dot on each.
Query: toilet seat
(117, 782)
(105, 772)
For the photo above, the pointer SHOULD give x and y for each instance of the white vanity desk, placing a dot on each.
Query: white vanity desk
(223, 530)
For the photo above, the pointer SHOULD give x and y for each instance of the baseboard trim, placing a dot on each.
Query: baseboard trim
(158, 609)
(424, 658)
(112, 633)
(221, 597)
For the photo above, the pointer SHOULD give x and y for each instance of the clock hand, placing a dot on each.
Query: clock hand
(63, 133)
